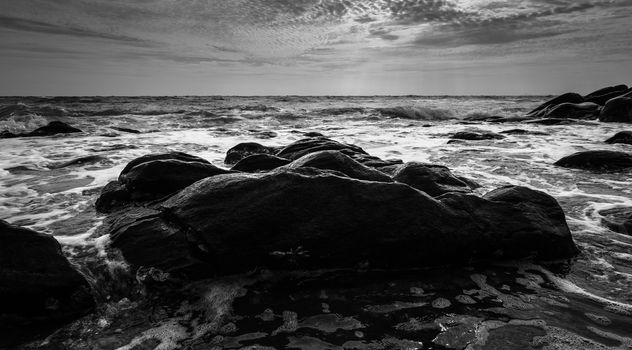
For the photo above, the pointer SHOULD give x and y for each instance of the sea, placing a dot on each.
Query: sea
(585, 303)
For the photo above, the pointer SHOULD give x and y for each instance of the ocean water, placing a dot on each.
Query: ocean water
(586, 303)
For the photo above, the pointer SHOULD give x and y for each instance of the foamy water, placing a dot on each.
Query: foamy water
(35, 194)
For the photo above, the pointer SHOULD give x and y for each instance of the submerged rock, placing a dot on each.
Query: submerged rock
(434, 180)
(552, 121)
(52, 128)
(38, 287)
(617, 110)
(597, 160)
(621, 137)
(618, 220)
(127, 130)
(79, 162)
(259, 162)
(585, 110)
(246, 149)
(302, 147)
(315, 219)
(476, 136)
(335, 160)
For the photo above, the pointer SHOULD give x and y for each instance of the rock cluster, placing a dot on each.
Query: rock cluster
(52, 128)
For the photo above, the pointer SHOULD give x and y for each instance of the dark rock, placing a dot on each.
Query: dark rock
(6, 134)
(434, 180)
(162, 156)
(621, 137)
(476, 136)
(597, 160)
(509, 120)
(607, 90)
(601, 100)
(53, 128)
(302, 147)
(287, 219)
(552, 121)
(245, 149)
(482, 117)
(585, 110)
(313, 134)
(334, 160)
(153, 179)
(113, 195)
(39, 289)
(522, 132)
(570, 97)
(128, 130)
(79, 162)
(259, 162)
(617, 110)
(618, 220)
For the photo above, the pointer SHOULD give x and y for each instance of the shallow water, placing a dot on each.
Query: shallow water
(586, 302)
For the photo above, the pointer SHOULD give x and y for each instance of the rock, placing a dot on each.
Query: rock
(552, 121)
(287, 219)
(617, 110)
(162, 156)
(522, 132)
(302, 147)
(601, 96)
(157, 178)
(39, 288)
(621, 137)
(245, 149)
(53, 128)
(6, 134)
(434, 180)
(259, 162)
(128, 130)
(482, 135)
(335, 160)
(313, 134)
(585, 110)
(618, 220)
(79, 162)
(570, 97)
(597, 160)
(113, 195)
(374, 162)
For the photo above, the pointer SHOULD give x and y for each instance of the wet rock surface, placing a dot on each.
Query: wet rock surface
(39, 288)
(618, 219)
(621, 137)
(53, 128)
(597, 160)
(617, 110)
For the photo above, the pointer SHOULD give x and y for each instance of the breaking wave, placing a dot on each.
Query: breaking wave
(417, 113)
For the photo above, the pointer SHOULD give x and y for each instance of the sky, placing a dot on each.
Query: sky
(313, 47)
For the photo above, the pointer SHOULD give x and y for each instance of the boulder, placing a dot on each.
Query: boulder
(476, 136)
(618, 220)
(302, 147)
(113, 195)
(127, 130)
(53, 128)
(259, 162)
(335, 160)
(39, 288)
(570, 97)
(585, 110)
(601, 96)
(156, 178)
(597, 160)
(552, 121)
(621, 137)
(162, 156)
(245, 149)
(617, 110)
(434, 180)
(311, 219)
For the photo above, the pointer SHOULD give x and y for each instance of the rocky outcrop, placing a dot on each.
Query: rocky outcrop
(570, 97)
(597, 160)
(601, 96)
(434, 180)
(617, 110)
(306, 146)
(337, 161)
(259, 162)
(246, 149)
(52, 128)
(39, 288)
(621, 137)
(311, 218)
(585, 110)
(476, 135)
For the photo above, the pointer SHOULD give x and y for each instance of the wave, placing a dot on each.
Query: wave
(19, 123)
(341, 110)
(417, 113)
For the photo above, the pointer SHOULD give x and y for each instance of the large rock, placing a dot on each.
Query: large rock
(434, 180)
(335, 160)
(246, 149)
(476, 135)
(302, 147)
(586, 110)
(259, 162)
(601, 96)
(315, 219)
(569, 97)
(162, 156)
(617, 110)
(621, 137)
(38, 286)
(597, 160)
(618, 219)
